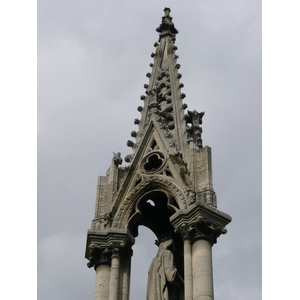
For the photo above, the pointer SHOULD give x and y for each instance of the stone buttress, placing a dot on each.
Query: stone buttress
(166, 186)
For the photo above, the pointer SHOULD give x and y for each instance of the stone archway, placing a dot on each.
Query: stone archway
(153, 210)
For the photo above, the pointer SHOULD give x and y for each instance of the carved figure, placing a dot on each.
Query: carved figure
(107, 219)
(191, 196)
(117, 158)
(163, 278)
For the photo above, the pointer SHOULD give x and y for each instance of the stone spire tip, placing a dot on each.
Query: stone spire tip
(166, 28)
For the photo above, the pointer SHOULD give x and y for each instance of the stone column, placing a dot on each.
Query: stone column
(102, 282)
(126, 275)
(104, 251)
(100, 260)
(114, 275)
(202, 270)
(205, 234)
(187, 256)
(188, 276)
(204, 224)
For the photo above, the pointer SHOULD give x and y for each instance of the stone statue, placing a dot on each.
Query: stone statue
(164, 282)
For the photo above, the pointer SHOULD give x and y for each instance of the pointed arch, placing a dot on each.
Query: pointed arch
(176, 198)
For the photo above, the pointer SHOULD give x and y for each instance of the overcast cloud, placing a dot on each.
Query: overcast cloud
(93, 57)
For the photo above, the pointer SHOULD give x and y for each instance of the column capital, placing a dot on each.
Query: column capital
(119, 249)
(185, 231)
(205, 229)
(102, 245)
(200, 221)
(98, 256)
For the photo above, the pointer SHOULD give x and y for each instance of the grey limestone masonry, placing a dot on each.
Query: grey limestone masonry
(168, 165)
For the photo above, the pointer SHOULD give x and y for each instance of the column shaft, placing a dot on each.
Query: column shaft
(114, 277)
(202, 270)
(126, 278)
(102, 282)
(188, 276)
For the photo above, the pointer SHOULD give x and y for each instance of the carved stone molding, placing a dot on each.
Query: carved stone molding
(102, 245)
(101, 255)
(98, 255)
(200, 221)
(202, 229)
(185, 231)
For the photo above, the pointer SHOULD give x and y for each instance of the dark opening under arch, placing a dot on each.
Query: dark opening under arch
(153, 210)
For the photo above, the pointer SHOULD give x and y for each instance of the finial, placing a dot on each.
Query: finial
(166, 28)
(167, 11)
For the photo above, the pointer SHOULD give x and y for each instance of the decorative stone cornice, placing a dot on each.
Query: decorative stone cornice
(200, 221)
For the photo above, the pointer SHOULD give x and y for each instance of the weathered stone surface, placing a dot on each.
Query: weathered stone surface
(167, 186)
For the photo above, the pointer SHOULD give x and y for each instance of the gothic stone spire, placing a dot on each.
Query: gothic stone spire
(163, 97)
(170, 167)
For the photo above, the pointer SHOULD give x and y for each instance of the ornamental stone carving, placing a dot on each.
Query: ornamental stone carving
(194, 131)
(117, 158)
(98, 255)
(191, 196)
(128, 157)
(153, 162)
(185, 231)
(107, 219)
(204, 229)
(155, 181)
(166, 186)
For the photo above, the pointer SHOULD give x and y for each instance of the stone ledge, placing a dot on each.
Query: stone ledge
(190, 215)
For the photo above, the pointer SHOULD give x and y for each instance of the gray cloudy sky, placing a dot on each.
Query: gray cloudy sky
(93, 57)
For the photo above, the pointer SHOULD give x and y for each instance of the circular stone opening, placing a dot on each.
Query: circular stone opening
(153, 162)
